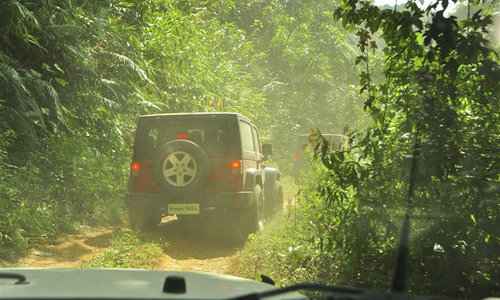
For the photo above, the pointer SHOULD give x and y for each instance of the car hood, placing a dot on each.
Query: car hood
(124, 284)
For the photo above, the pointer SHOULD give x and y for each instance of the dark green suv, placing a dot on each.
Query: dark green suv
(201, 165)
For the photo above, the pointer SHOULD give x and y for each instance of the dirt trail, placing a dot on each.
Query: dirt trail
(187, 251)
(196, 249)
(67, 251)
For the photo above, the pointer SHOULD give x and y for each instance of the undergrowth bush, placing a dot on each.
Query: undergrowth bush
(282, 251)
(431, 153)
(129, 249)
(347, 226)
(65, 182)
(295, 246)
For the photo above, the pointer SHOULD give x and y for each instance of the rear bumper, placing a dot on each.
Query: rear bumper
(208, 201)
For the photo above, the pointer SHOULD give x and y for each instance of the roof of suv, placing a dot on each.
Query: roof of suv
(326, 135)
(196, 113)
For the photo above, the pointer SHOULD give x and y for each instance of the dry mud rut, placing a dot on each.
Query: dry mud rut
(195, 249)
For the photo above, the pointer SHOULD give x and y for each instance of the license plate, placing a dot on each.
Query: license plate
(184, 209)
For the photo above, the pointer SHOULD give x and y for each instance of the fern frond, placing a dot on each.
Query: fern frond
(42, 87)
(109, 103)
(13, 78)
(21, 122)
(36, 110)
(144, 103)
(51, 92)
(129, 63)
(149, 104)
(25, 13)
(106, 102)
(4, 58)
(54, 95)
(3, 79)
(109, 82)
(109, 85)
(62, 30)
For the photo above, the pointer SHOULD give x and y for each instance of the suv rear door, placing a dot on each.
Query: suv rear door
(217, 134)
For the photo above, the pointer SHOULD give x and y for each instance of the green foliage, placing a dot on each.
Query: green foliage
(128, 249)
(303, 64)
(282, 251)
(440, 94)
(199, 63)
(74, 77)
(77, 184)
(438, 101)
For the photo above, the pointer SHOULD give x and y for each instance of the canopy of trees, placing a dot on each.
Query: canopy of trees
(437, 104)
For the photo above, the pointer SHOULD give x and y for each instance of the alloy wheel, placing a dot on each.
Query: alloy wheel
(179, 169)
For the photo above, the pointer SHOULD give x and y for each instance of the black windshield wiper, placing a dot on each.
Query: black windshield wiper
(337, 291)
(399, 279)
(21, 279)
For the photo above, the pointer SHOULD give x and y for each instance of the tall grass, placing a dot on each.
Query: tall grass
(129, 249)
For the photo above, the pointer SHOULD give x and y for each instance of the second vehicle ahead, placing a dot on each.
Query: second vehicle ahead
(306, 143)
(201, 166)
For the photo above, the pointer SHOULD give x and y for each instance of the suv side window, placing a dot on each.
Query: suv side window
(247, 141)
(256, 142)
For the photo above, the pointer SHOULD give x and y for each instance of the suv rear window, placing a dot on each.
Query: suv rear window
(218, 135)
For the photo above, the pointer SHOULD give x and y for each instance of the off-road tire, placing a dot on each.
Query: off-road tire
(253, 217)
(181, 167)
(277, 197)
(274, 200)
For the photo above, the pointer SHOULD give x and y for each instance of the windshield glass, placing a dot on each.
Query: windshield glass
(292, 139)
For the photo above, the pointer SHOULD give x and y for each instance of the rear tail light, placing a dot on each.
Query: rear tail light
(236, 174)
(235, 167)
(235, 164)
(296, 156)
(135, 167)
(182, 136)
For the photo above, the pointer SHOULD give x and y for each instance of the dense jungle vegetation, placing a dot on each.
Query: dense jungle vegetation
(409, 81)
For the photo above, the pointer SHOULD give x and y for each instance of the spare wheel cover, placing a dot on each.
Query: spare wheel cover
(181, 166)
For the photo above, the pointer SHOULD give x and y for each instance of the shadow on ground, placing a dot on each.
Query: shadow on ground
(198, 240)
(100, 241)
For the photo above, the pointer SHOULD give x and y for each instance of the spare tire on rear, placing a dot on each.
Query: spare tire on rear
(180, 166)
